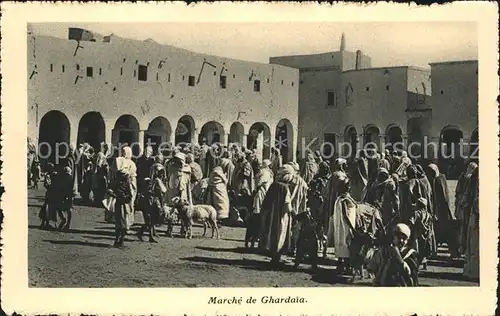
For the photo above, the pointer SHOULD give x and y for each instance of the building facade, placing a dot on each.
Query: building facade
(89, 88)
(344, 101)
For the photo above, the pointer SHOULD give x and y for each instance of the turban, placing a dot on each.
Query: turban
(266, 163)
(402, 229)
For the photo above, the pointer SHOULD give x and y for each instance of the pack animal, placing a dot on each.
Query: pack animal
(201, 213)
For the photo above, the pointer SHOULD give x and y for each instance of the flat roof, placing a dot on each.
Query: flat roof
(471, 61)
(390, 67)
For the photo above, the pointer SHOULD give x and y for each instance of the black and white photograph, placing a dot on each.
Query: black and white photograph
(271, 154)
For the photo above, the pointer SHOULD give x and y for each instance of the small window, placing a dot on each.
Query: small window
(121, 71)
(267, 80)
(100, 71)
(168, 77)
(442, 92)
(191, 81)
(62, 68)
(234, 76)
(387, 87)
(331, 98)
(135, 73)
(256, 85)
(90, 72)
(301, 81)
(367, 88)
(156, 76)
(292, 83)
(77, 67)
(143, 73)
(223, 82)
(124, 59)
(281, 82)
(215, 73)
(183, 77)
(51, 67)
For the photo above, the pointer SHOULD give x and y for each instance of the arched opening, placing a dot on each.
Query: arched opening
(54, 130)
(351, 142)
(450, 158)
(236, 133)
(259, 138)
(372, 138)
(284, 139)
(91, 130)
(185, 130)
(158, 132)
(474, 146)
(126, 133)
(393, 138)
(211, 133)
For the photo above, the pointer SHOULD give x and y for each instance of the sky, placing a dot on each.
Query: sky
(388, 44)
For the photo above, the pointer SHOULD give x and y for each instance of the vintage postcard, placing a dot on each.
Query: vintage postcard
(249, 159)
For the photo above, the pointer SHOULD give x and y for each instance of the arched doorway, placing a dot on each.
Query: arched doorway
(54, 132)
(91, 130)
(126, 133)
(393, 138)
(236, 133)
(211, 133)
(371, 138)
(284, 139)
(450, 160)
(259, 137)
(158, 132)
(351, 142)
(185, 130)
(474, 146)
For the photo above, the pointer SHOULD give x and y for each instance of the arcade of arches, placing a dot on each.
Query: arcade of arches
(55, 127)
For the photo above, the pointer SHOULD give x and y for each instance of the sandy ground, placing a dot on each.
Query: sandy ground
(84, 257)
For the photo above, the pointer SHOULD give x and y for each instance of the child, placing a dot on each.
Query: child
(307, 242)
(65, 199)
(47, 212)
(397, 262)
(35, 173)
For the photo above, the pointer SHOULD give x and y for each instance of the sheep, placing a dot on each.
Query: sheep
(201, 213)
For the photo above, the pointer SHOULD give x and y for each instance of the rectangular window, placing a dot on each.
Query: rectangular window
(62, 68)
(135, 73)
(143, 73)
(156, 76)
(100, 71)
(51, 67)
(90, 72)
(215, 73)
(281, 82)
(331, 98)
(191, 81)
(121, 71)
(223, 82)
(267, 80)
(256, 85)
(168, 77)
(77, 67)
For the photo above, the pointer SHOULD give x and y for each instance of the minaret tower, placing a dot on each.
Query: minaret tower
(342, 43)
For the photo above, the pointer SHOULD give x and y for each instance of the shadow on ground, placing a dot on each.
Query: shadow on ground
(78, 243)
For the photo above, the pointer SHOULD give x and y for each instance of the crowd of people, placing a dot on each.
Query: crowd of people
(269, 196)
